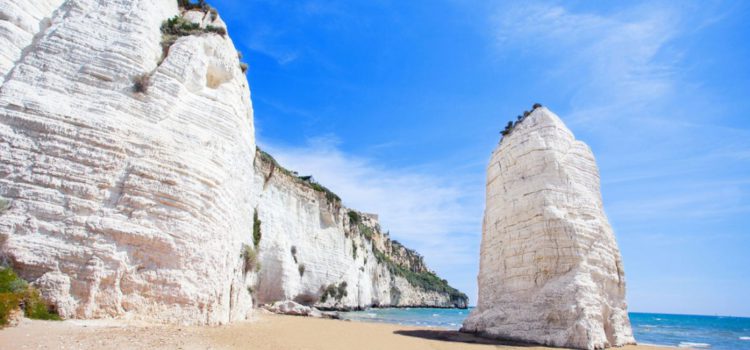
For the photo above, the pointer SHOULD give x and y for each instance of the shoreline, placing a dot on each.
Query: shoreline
(355, 309)
(263, 331)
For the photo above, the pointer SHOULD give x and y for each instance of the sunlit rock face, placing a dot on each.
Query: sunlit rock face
(550, 269)
(125, 203)
(129, 172)
(317, 252)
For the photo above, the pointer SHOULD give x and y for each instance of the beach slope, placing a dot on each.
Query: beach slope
(263, 332)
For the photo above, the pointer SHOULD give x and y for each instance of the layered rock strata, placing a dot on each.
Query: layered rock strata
(127, 164)
(550, 269)
(129, 185)
(319, 253)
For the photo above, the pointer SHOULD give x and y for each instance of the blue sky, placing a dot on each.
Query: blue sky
(396, 106)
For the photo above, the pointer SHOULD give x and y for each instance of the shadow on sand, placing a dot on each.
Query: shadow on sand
(458, 337)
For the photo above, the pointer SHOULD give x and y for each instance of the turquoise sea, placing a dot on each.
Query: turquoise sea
(685, 331)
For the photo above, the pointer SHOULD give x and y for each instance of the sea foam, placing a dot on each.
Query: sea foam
(691, 345)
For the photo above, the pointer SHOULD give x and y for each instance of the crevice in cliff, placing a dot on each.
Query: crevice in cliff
(116, 191)
(44, 24)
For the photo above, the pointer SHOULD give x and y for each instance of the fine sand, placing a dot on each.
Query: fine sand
(264, 332)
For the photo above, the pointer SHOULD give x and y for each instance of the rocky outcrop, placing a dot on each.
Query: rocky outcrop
(316, 252)
(127, 164)
(292, 308)
(550, 269)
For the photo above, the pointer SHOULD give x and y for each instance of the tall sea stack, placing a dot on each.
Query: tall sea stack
(550, 269)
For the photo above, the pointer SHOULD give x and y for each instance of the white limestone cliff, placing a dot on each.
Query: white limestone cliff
(550, 269)
(125, 203)
(312, 246)
(127, 163)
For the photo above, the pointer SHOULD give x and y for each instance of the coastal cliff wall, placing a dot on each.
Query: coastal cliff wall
(126, 161)
(550, 269)
(129, 184)
(317, 252)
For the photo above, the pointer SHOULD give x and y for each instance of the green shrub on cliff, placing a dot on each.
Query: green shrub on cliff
(141, 82)
(177, 26)
(256, 229)
(333, 291)
(189, 5)
(366, 231)
(341, 290)
(306, 180)
(15, 292)
(354, 217)
(425, 280)
(330, 196)
(214, 29)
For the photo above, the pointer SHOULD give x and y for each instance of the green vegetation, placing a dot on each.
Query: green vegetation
(177, 26)
(333, 291)
(341, 289)
(307, 180)
(15, 292)
(4, 205)
(301, 269)
(243, 65)
(354, 250)
(366, 231)
(511, 125)
(256, 229)
(294, 253)
(201, 5)
(354, 217)
(250, 256)
(189, 5)
(141, 83)
(427, 280)
(330, 196)
(267, 158)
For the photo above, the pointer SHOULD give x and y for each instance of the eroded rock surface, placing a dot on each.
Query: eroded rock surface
(550, 268)
(125, 202)
(317, 252)
(129, 186)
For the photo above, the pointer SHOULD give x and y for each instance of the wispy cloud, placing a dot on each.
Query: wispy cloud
(264, 40)
(613, 60)
(425, 211)
(630, 91)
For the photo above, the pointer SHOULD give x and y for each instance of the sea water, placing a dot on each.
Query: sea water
(685, 331)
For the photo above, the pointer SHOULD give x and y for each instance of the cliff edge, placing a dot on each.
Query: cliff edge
(317, 252)
(550, 269)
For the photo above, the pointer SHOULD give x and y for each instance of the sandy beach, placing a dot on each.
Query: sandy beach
(263, 332)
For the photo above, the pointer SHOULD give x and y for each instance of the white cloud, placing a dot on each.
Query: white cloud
(609, 61)
(264, 40)
(630, 90)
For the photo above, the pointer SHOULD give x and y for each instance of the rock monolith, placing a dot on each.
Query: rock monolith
(550, 269)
